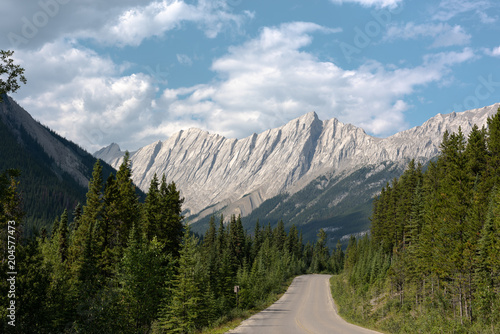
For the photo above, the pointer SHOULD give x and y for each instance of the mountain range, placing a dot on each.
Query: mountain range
(54, 171)
(309, 172)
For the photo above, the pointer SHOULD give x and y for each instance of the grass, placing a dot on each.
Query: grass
(237, 316)
(376, 309)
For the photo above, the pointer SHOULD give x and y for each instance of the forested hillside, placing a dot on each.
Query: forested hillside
(432, 264)
(45, 186)
(117, 265)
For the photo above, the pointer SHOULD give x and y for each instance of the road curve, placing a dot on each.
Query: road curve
(306, 307)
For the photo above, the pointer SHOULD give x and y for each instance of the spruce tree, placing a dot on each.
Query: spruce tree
(63, 236)
(493, 143)
(141, 274)
(182, 314)
(152, 209)
(488, 259)
(128, 210)
(174, 227)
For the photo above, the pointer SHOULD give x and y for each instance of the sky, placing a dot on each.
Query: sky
(137, 71)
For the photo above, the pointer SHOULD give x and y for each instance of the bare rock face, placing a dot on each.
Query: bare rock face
(64, 158)
(214, 172)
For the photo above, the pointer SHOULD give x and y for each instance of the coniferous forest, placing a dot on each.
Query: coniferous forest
(118, 265)
(432, 264)
(115, 265)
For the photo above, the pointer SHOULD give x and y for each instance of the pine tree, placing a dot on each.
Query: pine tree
(337, 259)
(236, 242)
(92, 214)
(320, 253)
(77, 215)
(171, 228)
(493, 143)
(152, 209)
(10, 210)
(32, 288)
(62, 235)
(292, 242)
(142, 272)
(279, 236)
(182, 314)
(127, 204)
(107, 230)
(488, 259)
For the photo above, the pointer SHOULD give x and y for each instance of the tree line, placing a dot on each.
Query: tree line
(116, 265)
(434, 251)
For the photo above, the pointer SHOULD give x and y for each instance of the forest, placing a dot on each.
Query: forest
(432, 263)
(116, 265)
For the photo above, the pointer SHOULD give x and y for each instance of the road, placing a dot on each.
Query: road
(306, 307)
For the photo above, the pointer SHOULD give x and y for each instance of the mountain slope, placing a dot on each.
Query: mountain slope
(216, 173)
(54, 171)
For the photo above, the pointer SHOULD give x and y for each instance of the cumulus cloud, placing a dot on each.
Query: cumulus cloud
(31, 24)
(269, 80)
(495, 52)
(141, 22)
(83, 96)
(259, 84)
(444, 35)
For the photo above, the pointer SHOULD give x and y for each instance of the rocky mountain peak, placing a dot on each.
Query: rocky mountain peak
(239, 174)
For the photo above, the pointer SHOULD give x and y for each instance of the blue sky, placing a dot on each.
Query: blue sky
(134, 72)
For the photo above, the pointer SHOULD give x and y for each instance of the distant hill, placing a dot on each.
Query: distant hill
(54, 171)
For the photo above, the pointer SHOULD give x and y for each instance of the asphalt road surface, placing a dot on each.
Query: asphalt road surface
(306, 307)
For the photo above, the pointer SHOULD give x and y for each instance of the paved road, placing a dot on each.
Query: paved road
(306, 307)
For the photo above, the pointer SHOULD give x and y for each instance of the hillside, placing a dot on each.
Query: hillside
(54, 171)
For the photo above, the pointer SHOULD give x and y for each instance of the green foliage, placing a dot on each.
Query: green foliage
(435, 245)
(86, 277)
(141, 276)
(46, 189)
(13, 73)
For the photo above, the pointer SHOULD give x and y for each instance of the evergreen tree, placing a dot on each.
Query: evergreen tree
(236, 242)
(127, 204)
(279, 235)
(62, 235)
(152, 209)
(142, 272)
(493, 144)
(488, 271)
(171, 228)
(77, 215)
(182, 314)
(32, 291)
(320, 253)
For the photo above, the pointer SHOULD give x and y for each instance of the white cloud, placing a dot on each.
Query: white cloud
(113, 22)
(444, 35)
(260, 84)
(370, 3)
(495, 52)
(448, 9)
(141, 22)
(184, 59)
(83, 96)
(269, 80)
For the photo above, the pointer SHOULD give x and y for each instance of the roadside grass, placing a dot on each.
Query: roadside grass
(375, 308)
(236, 316)
(355, 306)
